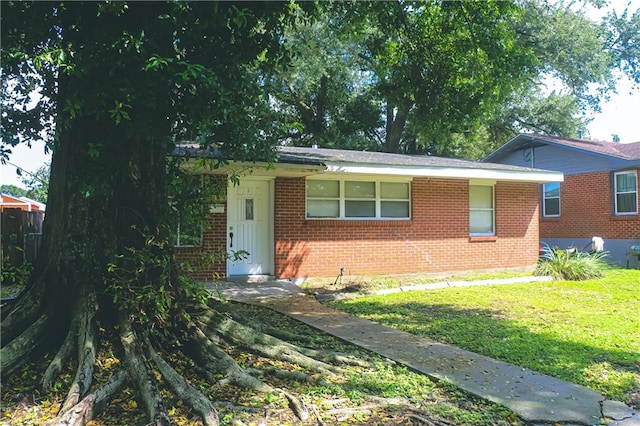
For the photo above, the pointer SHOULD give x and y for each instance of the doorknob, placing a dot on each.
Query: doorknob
(231, 239)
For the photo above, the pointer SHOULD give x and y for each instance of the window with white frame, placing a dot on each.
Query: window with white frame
(188, 230)
(481, 210)
(187, 214)
(551, 199)
(626, 192)
(357, 199)
(189, 235)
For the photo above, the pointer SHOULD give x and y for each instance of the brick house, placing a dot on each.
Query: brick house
(319, 211)
(599, 196)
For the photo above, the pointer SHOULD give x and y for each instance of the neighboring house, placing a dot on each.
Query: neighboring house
(322, 212)
(20, 228)
(599, 196)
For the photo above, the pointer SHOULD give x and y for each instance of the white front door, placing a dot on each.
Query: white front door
(249, 227)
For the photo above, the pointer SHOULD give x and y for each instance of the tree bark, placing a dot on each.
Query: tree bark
(396, 121)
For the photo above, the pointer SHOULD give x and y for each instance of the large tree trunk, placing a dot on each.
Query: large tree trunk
(396, 121)
(106, 253)
(104, 235)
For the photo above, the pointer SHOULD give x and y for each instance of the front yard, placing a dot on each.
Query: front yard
(584, 332)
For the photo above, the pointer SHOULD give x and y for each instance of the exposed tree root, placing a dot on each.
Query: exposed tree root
(22, 312)
(295, 376)
(269, 346)
(210, 338)
(19, 350)
(200, 403)
(91, 404)
(264, 344)
(61, 358)
(296, 405)
(213, 359)
(281, 334)
(216, 361)
(428, 419)
(274, 336)
(86, 353)
(140, 375)
(373, 404)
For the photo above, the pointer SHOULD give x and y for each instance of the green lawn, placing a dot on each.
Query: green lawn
(584, 332)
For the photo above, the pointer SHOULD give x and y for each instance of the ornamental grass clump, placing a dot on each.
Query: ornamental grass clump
(573, 266)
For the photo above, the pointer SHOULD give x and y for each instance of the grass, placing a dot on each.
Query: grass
(364, 284)
(585, 332)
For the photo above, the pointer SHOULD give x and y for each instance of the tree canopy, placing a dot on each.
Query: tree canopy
(37, 185)
(448, 78)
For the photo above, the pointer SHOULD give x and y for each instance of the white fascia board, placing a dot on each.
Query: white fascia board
(538, 176)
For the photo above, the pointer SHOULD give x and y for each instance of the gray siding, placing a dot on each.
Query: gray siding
(619, 250)
(549, 157)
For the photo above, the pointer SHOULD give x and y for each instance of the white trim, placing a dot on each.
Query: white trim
(342, 199)
(298, 170)
(363, 178)
(272, 221)
(493, 214)
(615, 192)
(544, 201)
(447, 172)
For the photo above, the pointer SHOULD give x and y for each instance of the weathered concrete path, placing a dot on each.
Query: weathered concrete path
(537, 398)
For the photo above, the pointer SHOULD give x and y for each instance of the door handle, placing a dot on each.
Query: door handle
(231, 239)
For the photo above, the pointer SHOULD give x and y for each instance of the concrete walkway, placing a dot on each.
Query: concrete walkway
(536, 398)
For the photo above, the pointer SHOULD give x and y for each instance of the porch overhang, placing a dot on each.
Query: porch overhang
(536, 176)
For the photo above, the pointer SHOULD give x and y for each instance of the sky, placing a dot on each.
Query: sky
(619, 116)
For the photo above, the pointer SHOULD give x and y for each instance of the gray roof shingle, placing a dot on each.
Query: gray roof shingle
(318, 156)
(324, 156)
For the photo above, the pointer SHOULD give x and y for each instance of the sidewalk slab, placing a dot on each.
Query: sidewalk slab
(535, 397)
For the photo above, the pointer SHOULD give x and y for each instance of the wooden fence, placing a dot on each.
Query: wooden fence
(21, 235)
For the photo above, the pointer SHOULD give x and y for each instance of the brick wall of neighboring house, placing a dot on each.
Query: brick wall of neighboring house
(586, 209)
(436, 239)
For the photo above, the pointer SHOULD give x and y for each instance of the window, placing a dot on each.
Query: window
(188, 214)
(189, 235)
(551, 199)
(626, 192)
(481, 214)
(394, 199)
(188, 225)
(357, 199)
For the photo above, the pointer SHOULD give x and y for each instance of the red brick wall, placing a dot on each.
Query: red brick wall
(586, 210)
(436, 239)
(207, 262)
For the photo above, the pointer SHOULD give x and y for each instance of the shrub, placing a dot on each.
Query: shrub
(14, 275)
(574, 266)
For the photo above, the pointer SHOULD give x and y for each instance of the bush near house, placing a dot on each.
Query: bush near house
(572, 265)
